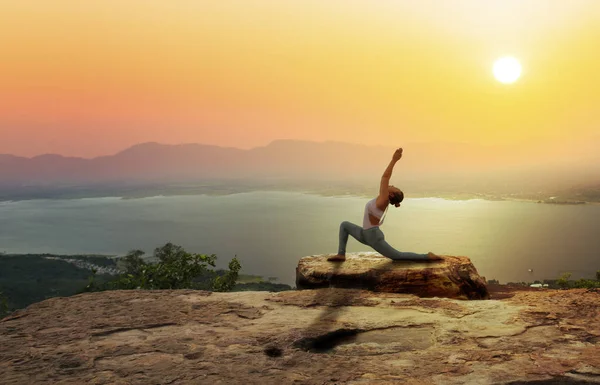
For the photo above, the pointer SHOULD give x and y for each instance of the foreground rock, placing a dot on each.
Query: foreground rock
(453, 277)
(325, 336)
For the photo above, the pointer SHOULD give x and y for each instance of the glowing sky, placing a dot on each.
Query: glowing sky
(88, 78)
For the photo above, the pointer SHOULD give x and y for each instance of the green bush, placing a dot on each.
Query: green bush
(563, 281)
(175, 269)
(227, 282)
(586, 283)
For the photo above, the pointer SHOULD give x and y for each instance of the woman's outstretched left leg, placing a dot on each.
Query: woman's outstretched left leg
(384, 248)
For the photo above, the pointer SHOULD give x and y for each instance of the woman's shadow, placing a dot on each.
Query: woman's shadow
(337, 293)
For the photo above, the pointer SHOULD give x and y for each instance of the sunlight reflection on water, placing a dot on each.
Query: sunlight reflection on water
(270, 231)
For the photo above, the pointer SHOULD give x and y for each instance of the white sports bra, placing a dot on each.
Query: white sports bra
(371, 208)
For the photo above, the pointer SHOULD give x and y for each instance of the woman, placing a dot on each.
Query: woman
(375, 210)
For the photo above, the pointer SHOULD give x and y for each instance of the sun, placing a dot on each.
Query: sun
(507, 69)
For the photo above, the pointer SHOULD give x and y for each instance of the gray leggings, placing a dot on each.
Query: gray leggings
(373, 237)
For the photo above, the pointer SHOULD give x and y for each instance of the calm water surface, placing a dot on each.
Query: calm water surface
(270, 231)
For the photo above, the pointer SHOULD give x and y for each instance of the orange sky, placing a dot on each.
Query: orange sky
(90, 78)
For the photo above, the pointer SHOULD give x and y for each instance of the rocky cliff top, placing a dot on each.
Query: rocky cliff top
(324, 336)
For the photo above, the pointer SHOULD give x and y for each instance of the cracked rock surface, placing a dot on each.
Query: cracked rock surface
(323, 336)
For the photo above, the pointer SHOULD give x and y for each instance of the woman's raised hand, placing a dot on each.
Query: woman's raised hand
(397, 154)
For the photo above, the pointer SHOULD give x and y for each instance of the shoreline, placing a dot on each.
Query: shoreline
(328, 194)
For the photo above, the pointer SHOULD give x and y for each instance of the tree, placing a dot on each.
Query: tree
(174, 268)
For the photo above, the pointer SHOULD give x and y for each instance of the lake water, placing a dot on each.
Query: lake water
(270, 231)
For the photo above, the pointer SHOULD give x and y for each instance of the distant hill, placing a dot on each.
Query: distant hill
(437, 163)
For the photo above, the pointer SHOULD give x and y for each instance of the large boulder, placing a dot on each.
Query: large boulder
(452, 277)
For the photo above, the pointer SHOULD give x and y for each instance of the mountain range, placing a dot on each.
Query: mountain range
(305, 160)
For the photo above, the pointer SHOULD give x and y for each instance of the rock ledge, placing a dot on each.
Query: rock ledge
(453, 277)
(309, 337)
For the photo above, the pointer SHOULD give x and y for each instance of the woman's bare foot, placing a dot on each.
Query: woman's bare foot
(434, 257)
(337, 258)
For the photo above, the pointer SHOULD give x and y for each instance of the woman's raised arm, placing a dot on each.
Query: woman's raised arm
(383, 198)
